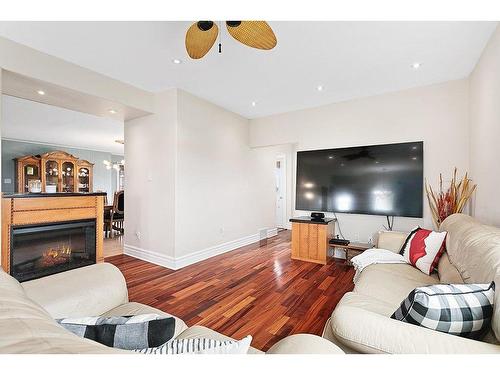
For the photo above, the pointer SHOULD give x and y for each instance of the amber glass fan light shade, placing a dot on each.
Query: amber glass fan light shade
(256, 34)
(200, 37)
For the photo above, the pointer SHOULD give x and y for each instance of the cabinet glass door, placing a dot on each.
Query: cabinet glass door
(83, 180)
(68, 177)
(52, 174)
(31, 172)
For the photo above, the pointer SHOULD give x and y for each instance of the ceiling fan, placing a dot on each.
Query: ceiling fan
(202, 35)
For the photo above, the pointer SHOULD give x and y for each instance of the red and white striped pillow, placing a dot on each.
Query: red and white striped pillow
(423, 248)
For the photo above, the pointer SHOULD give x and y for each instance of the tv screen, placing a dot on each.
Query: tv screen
(375, 180)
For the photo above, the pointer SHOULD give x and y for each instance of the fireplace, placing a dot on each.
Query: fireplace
(42, 250)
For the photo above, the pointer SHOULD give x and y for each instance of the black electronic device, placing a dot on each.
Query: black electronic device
(339, 241)
(317, 215)
(382, 180)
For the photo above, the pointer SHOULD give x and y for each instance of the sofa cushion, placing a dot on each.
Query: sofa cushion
(86, 291)
(448, 273)
(303, 343)
(391, 283)
(474, 249)
(391, 240)
(362, 323)
(26, 327)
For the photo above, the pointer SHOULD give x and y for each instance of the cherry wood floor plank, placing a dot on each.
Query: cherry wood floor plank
(255, 290)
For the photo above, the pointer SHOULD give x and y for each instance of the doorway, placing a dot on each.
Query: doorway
(280, 173)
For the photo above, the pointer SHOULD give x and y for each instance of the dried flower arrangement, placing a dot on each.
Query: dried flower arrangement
(451, 201)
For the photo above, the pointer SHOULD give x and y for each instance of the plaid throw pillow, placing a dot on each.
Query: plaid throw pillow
(123, 332)
(459, 309)
(201, 345)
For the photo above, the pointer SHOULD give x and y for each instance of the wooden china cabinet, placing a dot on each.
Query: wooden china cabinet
(56, 168)
(84, 176)
(28, 168)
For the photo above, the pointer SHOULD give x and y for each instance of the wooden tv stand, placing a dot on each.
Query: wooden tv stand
(310, 238)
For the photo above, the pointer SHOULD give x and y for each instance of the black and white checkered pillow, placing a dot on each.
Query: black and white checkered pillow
(459, 309)
(124, 332)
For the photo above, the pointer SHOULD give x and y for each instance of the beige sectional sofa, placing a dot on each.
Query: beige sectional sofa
(28, 310)
(361, 321)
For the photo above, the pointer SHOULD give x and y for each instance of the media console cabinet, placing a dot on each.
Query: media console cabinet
(310, 238)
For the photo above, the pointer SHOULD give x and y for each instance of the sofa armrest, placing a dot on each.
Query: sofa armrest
(86, 291)
(304, 344)
(370, 332)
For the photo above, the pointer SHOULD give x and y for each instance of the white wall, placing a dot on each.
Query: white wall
(437, 115)
(485, 132)
(150, 153)
(194, 188)
(223, 186)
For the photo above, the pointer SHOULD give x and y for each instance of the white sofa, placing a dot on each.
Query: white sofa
(28, 310)
(361, 321)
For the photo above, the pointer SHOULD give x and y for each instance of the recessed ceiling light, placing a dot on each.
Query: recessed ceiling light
(414, 158)
(319, 88)
(40, 92)
(416, 65)
(330, 157)
(254, 104)
(177, 61)
(414, 147)
(112, 111)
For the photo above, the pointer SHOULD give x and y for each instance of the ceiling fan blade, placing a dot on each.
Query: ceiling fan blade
(256, 34)
(200, 37)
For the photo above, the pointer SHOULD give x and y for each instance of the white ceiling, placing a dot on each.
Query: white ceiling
(349, 59)
(37, 122)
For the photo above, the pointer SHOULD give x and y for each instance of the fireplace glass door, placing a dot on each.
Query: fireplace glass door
(42, 250)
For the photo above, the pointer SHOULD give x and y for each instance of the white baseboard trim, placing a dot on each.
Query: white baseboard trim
(149, 256)
(198, 256)
(272, 232)
(212, 251)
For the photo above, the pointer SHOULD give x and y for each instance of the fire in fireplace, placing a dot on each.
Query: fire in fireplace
(42, 250)
(53, 257)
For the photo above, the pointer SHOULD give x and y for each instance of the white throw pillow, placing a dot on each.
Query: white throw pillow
(201, 345)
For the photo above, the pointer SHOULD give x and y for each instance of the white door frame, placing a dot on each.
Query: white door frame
(283, 175)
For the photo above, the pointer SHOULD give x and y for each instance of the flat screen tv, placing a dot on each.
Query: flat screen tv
(374, 180)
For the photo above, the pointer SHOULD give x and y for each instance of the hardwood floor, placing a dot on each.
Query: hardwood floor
(113, 246)
(253, 290)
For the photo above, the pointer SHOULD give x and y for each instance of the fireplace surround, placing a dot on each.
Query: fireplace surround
(44, 233)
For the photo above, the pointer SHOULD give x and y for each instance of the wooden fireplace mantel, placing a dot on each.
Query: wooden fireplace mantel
(28, 209)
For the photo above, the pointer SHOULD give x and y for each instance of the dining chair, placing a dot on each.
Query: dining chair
(114, 216)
